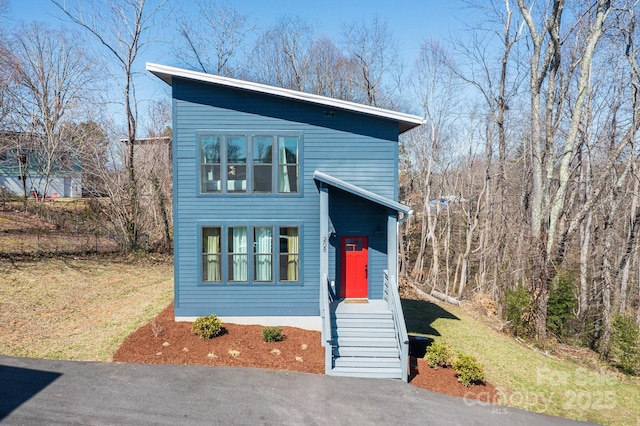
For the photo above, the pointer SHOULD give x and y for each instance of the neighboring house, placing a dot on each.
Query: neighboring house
(22, 165)
(285, 213)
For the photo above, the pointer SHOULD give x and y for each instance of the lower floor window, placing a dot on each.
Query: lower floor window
(238, 267)
(289, 254)
(262, 253)
(267, 256)
(211, 266)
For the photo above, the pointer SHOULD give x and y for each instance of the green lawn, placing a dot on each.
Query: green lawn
(78, 307)
(527, 378)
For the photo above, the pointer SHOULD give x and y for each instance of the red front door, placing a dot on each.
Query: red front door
(354, 274)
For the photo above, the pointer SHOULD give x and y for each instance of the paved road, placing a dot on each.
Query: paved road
(64, 392)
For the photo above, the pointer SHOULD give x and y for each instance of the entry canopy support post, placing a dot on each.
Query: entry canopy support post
(392, 244)
(324, 230)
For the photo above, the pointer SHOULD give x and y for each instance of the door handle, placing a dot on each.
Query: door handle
(366, 271)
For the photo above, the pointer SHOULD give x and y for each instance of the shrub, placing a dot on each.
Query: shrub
(207, 327)
(561, 306)
(519, 310)
(272, 334)
(625, 344)
(439, 354)
(468, 369)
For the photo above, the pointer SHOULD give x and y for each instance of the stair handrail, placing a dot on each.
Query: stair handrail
(325, 313)
(392, 297)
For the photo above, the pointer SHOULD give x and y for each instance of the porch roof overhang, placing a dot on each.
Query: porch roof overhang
(363, 193)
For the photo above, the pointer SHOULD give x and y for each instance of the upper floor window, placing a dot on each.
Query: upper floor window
(210, 164)
(236, 163)
(263, 164)
(258, 164)
(287, 164)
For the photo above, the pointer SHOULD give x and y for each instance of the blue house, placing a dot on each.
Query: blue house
(285, 213)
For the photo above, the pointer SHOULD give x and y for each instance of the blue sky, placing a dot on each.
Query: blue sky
(411, 22)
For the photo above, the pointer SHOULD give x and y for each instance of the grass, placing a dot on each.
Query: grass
(83, 307)
(528, 378)
(78, 308)
(61, 227)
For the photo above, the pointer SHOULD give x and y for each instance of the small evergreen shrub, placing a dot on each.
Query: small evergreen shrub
(519, 311)
(207, 327)
(272, 334)
(468, 369)
(439, 354)
(561, 319)
(625, 344)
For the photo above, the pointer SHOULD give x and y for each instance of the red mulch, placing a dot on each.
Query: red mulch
(443, 380)
(164, 341)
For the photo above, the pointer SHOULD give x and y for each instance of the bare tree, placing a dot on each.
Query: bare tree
(375, 52)
(548, 196)
(119, 26)
(157, 160)
(51, 76)
(491, 73)
(212, 41)
(281, 55)
(89, 140)
(331, 73)
(433, 85)
(5, 67)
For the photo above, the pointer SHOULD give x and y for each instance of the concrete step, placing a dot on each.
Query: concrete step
(362, 322)
(363, 332)
(363, 315)
(375, 342)
(379, 373)
(366, 362)
(367, 352)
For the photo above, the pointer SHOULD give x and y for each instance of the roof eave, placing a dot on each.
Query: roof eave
(166, 73)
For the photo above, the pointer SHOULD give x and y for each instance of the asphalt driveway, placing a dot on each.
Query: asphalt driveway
(65, 392)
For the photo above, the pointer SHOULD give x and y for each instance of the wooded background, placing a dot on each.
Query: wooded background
(524, 179)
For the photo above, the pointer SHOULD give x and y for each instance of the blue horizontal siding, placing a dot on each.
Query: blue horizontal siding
(356, 148)
(371, 222)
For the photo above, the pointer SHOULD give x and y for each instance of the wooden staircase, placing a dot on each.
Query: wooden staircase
(364, 340)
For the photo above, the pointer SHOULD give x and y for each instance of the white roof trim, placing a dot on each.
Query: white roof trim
(166, 73)
(361, 192)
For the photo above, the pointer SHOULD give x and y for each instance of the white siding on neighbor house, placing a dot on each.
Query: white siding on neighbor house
(64, 186)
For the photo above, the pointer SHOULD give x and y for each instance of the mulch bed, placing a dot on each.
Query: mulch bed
(164, 341)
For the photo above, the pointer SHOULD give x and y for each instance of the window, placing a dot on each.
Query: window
(210, 164)
(262, 164)
(211, 265)
(287, 164)
(226, 256)
(238, 265)
(263, 253)
(289, 254)
(236, 163)
(257, 164)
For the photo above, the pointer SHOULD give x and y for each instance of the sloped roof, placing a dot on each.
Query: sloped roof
(361, 192)
(166, 74)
